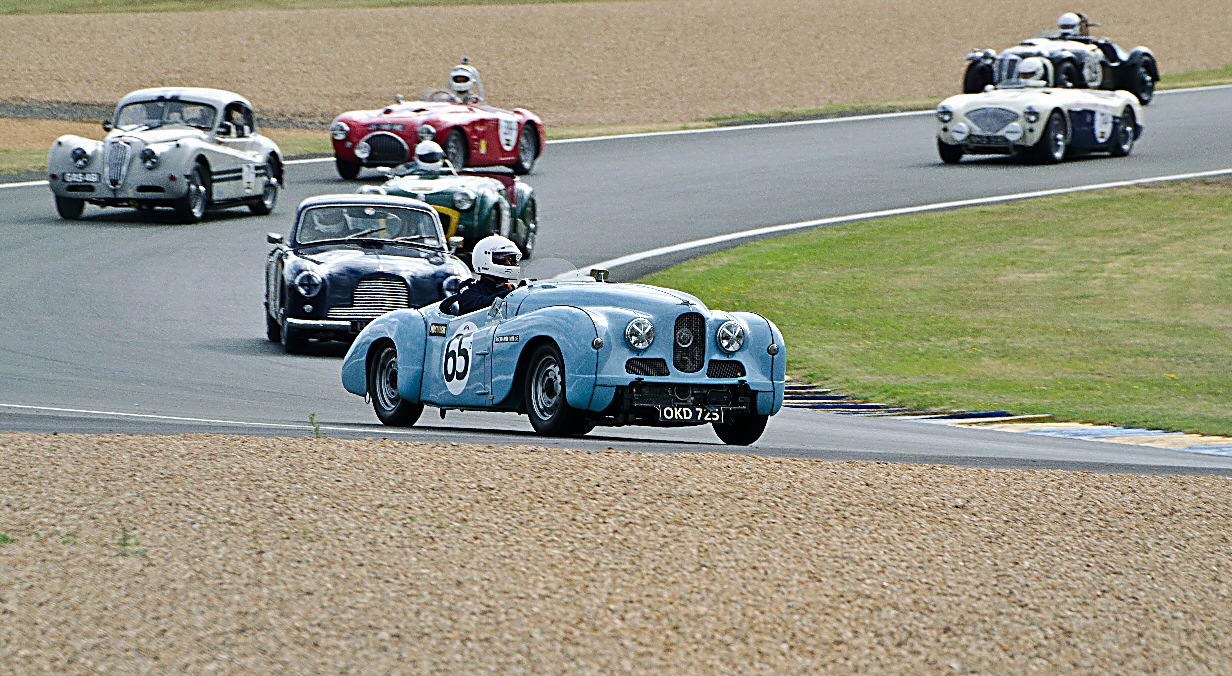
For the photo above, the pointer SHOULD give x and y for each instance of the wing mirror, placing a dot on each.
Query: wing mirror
(107, 125)
(599, 275)
(455, 243)
(273, 238)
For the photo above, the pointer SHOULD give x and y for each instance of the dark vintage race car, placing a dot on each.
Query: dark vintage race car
(573, 354)
(1078, 61)
(472, 133)
(350, 259)
(472, 204)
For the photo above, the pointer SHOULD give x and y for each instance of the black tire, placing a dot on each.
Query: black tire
(546, 405)
(528, 150)
(1124, 135)
(391, 409)
(292, 341)
(264, 205)
(1052, 145)
(1143, 85)
(978, 76)
(272, 331)
(1068, 77)
(191, 207)
(455, 148)
(741, 431)
(529, 230)
(349, 171)
(69, 208)
(949, 154)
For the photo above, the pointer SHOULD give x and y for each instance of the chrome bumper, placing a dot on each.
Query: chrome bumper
(318, 324)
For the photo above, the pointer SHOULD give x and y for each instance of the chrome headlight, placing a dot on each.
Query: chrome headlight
(426, 132)
(363, 150)
(1012, 131)
(640, 333)
(1031, 115)
(451, 284)
(339, 131)
(730, 336)
(463, 200)
(81, 157)
(149, 158)
(944, 114)
(308, 283)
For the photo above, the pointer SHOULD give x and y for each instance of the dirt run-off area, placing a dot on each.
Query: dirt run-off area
(194, 553)
(578, 64)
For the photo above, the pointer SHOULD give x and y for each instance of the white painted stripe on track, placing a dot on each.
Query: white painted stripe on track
(709, 130)
(870, 215)
(172, 418)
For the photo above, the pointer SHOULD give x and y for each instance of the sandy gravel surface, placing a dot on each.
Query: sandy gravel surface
(574, 64)
(241, 554)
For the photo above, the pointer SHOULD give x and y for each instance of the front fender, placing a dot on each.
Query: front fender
(572, 329)
(60, 159)
(762, 334)
(405, 328)
(1140, 55)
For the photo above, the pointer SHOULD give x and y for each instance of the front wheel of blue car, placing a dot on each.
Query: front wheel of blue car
(390, 407)
(549, 412)
(741, 431)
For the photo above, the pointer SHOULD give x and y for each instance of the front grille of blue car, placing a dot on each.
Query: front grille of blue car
(117, 163)
(689, 343)
(387, 149)
(374, 297)
(725, 368)
(642, 366)
(992, 120)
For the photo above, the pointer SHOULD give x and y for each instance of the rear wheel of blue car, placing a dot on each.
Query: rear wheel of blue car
(390, 407)
(549, 412)
(741, 431)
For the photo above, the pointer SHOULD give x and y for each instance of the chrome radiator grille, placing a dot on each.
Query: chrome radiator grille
(992, 120)
(373, 298)
(117, 163)
(689, 343)
(387, 149)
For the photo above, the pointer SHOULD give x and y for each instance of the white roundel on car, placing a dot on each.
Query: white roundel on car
(457, 359)
(1103, 124)
(508, 131)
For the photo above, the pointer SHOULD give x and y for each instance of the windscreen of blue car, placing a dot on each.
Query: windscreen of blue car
(335, 222)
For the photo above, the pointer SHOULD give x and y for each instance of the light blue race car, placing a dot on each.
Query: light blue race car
(574, 354)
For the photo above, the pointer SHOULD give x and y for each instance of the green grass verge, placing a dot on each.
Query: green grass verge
(106, 6)
(831, 110)
(14, 162)
(1197, 78)
(1105, 307)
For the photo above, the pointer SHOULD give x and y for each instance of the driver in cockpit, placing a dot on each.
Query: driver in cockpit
(429, 158)
(464, 83)
(1074, 25)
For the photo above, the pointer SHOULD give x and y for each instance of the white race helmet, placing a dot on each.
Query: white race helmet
(462, 79)
(1070, 25)
(496, 256)
(1033, 71)
(329, 221)
(428, 156)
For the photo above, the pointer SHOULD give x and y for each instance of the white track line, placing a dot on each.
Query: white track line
(172, 418)
(938, 206)
(709, 130)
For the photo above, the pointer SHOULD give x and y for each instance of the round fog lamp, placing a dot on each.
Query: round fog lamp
(363, 150)
(1013, 132)
(960, 132)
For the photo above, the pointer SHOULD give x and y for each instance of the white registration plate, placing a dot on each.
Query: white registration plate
(695, 414)
(81, 177)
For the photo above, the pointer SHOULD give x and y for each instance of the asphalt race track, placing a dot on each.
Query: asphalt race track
(128, 313)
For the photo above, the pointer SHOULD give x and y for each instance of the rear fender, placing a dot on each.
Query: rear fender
(571, 329)
(406, 328)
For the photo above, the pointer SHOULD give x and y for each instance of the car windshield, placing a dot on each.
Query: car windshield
(152, 114)
(333, 223)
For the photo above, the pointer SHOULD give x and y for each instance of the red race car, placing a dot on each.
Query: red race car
(472, 133)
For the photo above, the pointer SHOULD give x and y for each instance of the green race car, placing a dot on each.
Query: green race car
(471, 204)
